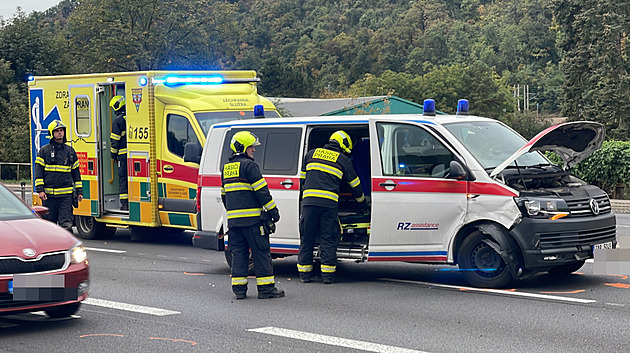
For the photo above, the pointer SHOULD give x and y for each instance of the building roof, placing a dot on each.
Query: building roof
(297, 107)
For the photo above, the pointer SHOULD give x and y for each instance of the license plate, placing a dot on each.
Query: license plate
(11, 286)
(607, 245)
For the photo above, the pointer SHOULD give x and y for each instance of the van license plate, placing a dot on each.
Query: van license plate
(11, 286)
(607, 245)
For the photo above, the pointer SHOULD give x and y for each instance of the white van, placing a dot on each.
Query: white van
(446, 189)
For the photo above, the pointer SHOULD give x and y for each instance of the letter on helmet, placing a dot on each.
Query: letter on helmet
(243, 139)
(344, 140)
(117, 102)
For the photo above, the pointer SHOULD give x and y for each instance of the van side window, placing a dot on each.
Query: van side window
(179, 131)
(278, 151)
(410, 150)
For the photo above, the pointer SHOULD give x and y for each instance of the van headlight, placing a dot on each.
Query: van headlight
(535, 207)
(78, 253)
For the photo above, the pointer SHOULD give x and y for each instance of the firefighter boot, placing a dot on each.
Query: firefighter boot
(328, 278)
(240, 296)
(269, 292)
(305, 277)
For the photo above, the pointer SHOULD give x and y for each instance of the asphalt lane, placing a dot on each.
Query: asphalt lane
(381, 307)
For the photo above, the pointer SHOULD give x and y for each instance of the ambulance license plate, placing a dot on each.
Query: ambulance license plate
(607, 245)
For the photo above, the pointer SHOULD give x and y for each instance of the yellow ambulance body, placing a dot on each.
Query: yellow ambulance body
(168, 116)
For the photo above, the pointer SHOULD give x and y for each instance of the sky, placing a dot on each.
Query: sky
(8, 8)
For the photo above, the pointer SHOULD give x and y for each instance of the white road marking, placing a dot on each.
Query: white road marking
(496, 291)
(333, 341)
(106, 250)
(129, 307)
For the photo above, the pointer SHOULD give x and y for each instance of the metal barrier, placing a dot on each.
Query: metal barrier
(17, 177)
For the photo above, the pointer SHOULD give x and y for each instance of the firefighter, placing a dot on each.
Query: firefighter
(57, 174)
(323, 171)
(247, 200)
(118, 138)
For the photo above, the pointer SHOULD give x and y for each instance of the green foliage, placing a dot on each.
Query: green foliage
(608, 168)
(596, 63)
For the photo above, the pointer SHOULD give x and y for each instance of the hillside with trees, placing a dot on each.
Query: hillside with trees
(572, 54)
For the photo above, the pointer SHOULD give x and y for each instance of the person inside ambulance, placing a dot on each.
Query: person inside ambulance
(246, 198)
(118, 139)
(323, 171)
(57, 175)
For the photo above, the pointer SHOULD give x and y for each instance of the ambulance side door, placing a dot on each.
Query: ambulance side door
(82, 135)
(416, 207)
(177, 180)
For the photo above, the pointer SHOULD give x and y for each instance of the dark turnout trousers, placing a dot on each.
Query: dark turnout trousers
(321, 223)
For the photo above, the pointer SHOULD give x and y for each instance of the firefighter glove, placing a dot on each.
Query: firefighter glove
(274, 214)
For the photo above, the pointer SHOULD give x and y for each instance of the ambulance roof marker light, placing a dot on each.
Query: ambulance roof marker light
(462, 107)
(143, 81)
(31, 78)
(189, 80)
(429, 107)
(259, 111)
(110, 79)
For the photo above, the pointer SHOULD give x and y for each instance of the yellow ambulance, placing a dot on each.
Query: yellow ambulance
(168, 114)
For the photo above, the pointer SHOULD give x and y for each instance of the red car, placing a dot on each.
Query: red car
(42, 266)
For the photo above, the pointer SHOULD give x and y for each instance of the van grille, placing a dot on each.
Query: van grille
(48, 262)
(581, 240)
(582, 207)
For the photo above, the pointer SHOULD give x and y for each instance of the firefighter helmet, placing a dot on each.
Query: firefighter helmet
(54, 125)
(117, 103)
(243, 139)
(344, 140)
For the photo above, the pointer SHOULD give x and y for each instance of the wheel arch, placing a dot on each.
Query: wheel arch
(503, 242)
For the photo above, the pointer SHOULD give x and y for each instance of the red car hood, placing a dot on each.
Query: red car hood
(33, 233)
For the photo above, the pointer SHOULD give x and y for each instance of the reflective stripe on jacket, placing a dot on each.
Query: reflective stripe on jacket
(57, 170)
(323, 171)
(244, 192)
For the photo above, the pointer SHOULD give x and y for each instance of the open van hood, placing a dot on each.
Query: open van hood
(573, 142)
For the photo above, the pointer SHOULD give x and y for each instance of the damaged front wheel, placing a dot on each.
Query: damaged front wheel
(480, 264)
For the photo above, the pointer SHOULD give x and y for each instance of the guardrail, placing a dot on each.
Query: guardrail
(17, 176)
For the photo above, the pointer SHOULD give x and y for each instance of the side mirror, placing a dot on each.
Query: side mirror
(192, 152)
(41, 211)
(457, 171)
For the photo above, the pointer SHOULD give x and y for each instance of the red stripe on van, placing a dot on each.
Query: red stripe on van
(273, 183)
(489, 189)
(422, 185)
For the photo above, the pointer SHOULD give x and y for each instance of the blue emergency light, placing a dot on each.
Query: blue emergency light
(189, 80)
(429, 107)
(259, 111)
(462, 107)
(143, 81)
(31, 78)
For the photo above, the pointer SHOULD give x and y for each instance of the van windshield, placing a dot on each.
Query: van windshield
(491, 143)
(207, 119)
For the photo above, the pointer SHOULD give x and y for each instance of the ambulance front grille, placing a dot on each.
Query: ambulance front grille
(582, 207)
(581, 240)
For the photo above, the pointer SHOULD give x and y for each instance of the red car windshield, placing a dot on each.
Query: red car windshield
(11, 207)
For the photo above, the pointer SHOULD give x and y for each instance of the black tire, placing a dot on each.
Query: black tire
(480, 265)
(89, 228)
(63, 311)
(566, 269)
(250, 267)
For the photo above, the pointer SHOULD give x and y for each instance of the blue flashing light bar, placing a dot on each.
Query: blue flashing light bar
(259, 111)
(143, 81)
(462, 107)
(429, 107)
(189, 80)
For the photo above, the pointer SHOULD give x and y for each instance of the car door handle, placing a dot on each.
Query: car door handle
(168, 169)
(287, 182)
(388, 183)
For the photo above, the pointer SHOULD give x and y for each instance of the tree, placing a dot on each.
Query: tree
(113, 35)
(596, 61)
